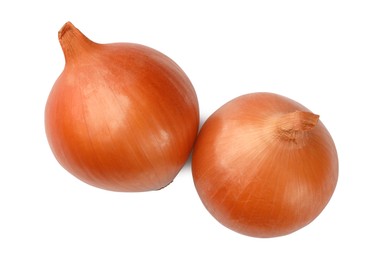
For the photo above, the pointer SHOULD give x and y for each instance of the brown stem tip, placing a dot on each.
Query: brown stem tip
(292, 125)
(66, 27)
(73, 42)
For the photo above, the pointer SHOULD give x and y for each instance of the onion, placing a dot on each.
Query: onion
(121, 116)
(264, 165)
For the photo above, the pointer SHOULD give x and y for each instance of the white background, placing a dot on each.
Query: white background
(324, 54)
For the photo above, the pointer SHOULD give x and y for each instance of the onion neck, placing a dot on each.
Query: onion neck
(73, 42)
(294, 126)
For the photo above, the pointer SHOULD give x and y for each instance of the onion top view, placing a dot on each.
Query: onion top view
(121, 116)
(264, 165)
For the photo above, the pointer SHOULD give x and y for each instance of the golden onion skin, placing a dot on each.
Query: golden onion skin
(121, 116)
(264, 165)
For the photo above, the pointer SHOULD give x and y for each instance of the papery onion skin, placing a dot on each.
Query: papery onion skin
(264, 166)
(121, 116)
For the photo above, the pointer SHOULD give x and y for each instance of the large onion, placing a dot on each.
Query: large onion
(264, 166)
(121, 116)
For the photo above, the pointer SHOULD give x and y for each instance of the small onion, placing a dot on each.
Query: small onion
(121, 116)
(264, 165)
